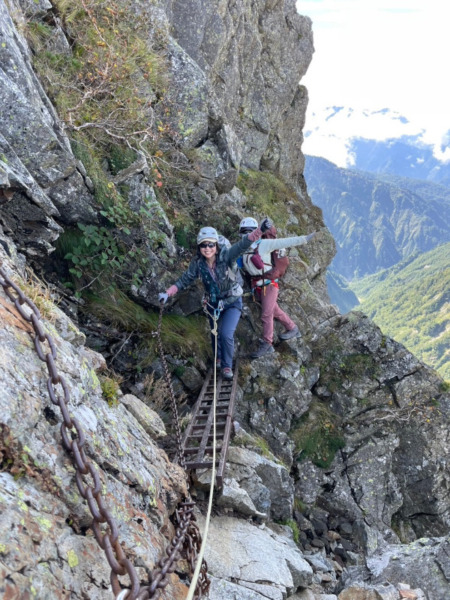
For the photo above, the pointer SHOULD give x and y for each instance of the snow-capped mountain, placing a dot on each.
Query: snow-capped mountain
(379, 141)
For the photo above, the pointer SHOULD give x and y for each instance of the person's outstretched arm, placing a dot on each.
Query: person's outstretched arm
(276, 244)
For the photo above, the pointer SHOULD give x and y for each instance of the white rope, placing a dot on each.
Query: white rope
(198, 566)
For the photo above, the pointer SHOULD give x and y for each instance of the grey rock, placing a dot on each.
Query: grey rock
(189, 92)
(135, 475)
(234, 497)
(319, 563)
(148, 418)
(192, 378)
(240, 551)
(44, 165)
(259, 91)
(305, 594)
(38, 8)
(254, 473)
(212, 163)
(221, 589)
(310, 481)
(398, 564)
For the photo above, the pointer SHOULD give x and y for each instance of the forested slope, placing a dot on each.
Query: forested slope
(411, 302)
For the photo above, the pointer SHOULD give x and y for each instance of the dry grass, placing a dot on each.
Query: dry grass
(39, 293)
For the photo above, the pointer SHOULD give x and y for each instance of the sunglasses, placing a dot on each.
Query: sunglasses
(207, 245)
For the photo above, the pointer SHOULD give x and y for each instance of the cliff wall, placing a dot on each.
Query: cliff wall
(124, 128)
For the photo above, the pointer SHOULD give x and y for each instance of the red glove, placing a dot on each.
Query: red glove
(255, 235)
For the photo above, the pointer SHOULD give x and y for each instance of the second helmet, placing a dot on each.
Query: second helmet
(248, 223)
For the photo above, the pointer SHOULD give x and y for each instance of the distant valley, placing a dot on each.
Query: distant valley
(393, 248)
(411, 303)
(377, 220)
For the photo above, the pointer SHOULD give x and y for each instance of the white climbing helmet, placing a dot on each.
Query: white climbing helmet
(248, 223)
(207, 234)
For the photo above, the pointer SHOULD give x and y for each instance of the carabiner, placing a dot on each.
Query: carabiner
(218, 310)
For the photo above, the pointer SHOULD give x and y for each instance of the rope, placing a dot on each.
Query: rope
(193, 585)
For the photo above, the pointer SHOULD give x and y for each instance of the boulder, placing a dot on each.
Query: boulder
(241, 552)
(267, 483)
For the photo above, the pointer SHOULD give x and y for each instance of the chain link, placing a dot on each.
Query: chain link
(191, 540)
(187, 539)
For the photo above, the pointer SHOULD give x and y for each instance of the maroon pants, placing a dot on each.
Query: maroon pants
(268, 296)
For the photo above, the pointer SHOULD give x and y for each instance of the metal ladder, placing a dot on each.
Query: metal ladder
(197, 441)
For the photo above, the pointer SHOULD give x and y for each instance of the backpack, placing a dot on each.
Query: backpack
(280, 262)
(223, 241)
(279, 259)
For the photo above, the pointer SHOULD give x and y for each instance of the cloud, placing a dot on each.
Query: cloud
(382, 54)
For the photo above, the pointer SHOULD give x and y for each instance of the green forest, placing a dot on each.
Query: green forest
(411, 303)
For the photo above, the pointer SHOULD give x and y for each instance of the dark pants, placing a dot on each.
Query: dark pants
(226, 326)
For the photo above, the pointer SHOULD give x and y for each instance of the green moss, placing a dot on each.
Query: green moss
(299, 505)
(120, 158)
(263, 446)
(317, 436)
(110, 388)
(267, 195)
(179, 370)
(356, 365)
(46, 524)
(72, 558)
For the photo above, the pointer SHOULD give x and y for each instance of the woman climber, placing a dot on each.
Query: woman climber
(216, 265)
(265, 267)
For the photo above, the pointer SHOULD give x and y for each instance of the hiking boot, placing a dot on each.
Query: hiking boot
(218, 363)
(227, 373)
(288, 335)
(264, 348)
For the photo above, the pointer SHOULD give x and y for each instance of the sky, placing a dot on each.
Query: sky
(376, 54)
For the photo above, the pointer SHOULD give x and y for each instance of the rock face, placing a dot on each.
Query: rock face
(338, 463)
(253, 77)
(40, 178)
(43, 514)
(233, 547)
(433, 575)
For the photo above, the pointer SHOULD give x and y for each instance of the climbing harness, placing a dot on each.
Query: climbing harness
(214, 312)
(187, 539)
(261, 289)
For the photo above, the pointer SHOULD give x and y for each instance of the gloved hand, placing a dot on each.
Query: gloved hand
(310, 236)
(163, 297)
(265, 224)
(172, 290)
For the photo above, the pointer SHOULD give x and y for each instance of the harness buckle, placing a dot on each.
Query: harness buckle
(219, 309)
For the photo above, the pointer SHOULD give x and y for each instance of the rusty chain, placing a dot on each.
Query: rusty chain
(187, 539)
(193, 540)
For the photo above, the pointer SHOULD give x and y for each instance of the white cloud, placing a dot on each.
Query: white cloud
(381, 54)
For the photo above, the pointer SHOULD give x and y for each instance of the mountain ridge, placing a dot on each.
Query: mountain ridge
(375, 223)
